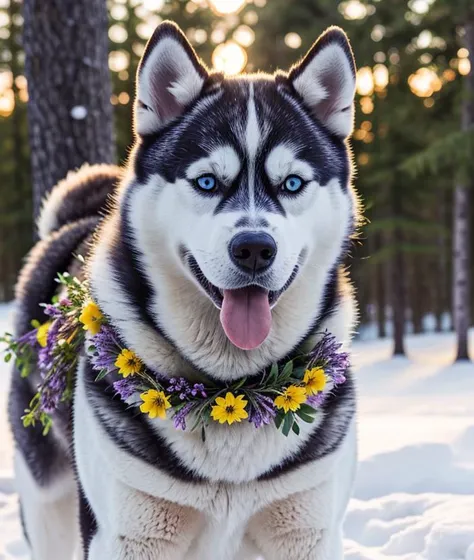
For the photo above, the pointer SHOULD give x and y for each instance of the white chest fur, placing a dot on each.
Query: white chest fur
(125, 491)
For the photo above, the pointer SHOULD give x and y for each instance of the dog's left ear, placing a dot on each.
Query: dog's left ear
(325, 80)
(170, 77)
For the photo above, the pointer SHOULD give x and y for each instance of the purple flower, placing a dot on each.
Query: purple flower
(52, 311)
(262, 411)
(179, 419)
(29, 339)
(198, 388)
(180, 385)
(316, 400)
(125, 388)
(46, 354)
(327, 353)
(106, 350)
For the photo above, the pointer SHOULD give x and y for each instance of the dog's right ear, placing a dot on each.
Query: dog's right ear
(169, 78)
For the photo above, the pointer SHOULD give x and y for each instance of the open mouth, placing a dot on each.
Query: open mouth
(245, 312)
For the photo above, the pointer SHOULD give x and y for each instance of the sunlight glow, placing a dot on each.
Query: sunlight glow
(365, 81)
(229, 58)
(226, 6)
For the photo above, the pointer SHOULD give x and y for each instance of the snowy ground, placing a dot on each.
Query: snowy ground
(414, 496)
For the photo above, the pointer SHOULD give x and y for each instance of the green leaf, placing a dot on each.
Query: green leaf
(35, 323)
(287, 424)
(279, 419)
(305, 417)
(239, 384)
(102, 373)
(296, 428)
(8, 357)
(287, 370)
(299, 372)
(273, 374)
(307, 409)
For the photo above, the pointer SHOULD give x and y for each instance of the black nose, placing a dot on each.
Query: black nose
(253, 252)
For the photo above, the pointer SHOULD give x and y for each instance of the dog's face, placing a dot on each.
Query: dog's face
(247, 177)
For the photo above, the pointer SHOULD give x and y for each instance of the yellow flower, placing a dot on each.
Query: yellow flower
(128, 363)
(291, 399)
(314, 380)
(91, 317)
(229, 409)
(155, 403)
(42, 334)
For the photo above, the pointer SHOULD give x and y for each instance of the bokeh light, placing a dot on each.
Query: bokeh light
(366, 105)
(153, 5)
(293, 40)
(226, 6)
(229, 58)
(118, 33)
(424, 82)
(464, 66)
(378, 33)
(419, 6)
(381, 76)
(365, 81)
(353, 10)
(244, 35)
(118, 60)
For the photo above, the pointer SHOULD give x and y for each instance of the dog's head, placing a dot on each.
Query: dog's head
(249, 175)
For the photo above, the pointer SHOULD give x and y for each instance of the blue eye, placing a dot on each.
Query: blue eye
(206, 182)
(293, 183)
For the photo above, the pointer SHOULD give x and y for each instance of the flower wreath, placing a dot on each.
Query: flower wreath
(283, 394)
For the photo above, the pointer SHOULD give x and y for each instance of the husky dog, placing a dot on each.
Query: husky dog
(220, 252)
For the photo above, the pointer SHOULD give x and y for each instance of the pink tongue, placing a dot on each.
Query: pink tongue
(246, 316)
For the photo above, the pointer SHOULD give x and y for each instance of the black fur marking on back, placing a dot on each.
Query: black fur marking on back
(43, 454)
(128, 428)
(36, 283)
(338, 410)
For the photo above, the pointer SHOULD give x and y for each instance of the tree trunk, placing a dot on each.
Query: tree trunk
(398, 297)
(398, 292)
(380, 295)
(69, 112)
(461, 240)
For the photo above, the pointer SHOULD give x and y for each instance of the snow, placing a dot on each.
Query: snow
(79, 112)
(414, 494)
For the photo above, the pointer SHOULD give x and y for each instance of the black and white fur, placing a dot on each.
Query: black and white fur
(157, 264)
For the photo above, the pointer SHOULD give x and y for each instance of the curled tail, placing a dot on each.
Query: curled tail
(82, 194)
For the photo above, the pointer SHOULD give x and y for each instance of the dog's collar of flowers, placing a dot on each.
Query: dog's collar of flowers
(283, 394)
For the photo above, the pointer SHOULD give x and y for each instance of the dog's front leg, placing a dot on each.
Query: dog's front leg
(141, 527)
(301, 527)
